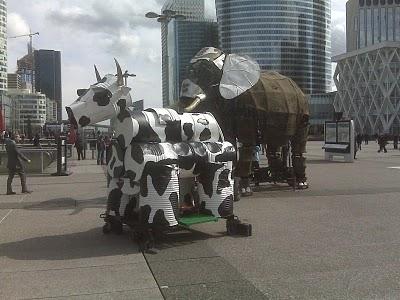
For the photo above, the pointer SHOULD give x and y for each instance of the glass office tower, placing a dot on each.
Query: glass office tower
(370, 22)
(48, 76)
(291, 37)
(193, 10)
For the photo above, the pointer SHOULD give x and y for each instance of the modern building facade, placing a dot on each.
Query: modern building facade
(370, 22)
(3, 46)
(29, 108)
(51, 110)
(291, 37)
(368, 87)
(321, 110)
(193, 10)
(7, 113)
(188, 37)
(26, 71)
(48, 76)
(14, 81)
(367, 76)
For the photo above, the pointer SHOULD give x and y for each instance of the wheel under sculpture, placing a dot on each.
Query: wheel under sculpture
(164, 165)
(252, 107)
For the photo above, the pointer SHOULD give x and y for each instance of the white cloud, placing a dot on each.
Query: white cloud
(16, 25)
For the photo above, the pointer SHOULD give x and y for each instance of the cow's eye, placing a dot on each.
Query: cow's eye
(102, 98)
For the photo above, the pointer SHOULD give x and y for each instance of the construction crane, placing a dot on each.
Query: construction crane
(30, 48)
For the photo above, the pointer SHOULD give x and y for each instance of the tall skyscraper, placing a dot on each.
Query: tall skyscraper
(48, 76)
(176, 48)
(3, 46)
(291, 37)
(188, 37)
(367, 76)
(371, 22)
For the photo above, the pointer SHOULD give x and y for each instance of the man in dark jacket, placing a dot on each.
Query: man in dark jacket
(15, 165)
(79, 146)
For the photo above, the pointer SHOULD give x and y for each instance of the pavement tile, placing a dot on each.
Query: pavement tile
(193, 271)
(139, 294)
(180, 246)
(230, 290)
(65, 282)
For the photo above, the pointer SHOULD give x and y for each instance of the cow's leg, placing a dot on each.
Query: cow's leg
(243, 169)
(112, 218)
(299, 141)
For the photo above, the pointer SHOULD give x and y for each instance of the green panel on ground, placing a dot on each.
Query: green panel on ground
(196, 219)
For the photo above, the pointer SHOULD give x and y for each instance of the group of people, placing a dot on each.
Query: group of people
(103, 147)
(381, 139)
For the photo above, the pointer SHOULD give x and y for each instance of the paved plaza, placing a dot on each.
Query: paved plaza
(337, 240)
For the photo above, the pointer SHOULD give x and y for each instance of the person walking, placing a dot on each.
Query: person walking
(382, 142)
(255, 164)
(79, 146)
(366, 139)
(36, 140)
(396, 141)
(359, 139)
(101, 146)
(108, 145)
(14, 165)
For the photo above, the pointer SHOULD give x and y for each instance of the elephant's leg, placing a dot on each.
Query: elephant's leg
(299, 141)
(243, 169)
(275, 162)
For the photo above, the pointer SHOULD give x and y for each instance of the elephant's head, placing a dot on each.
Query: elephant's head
(218, 74)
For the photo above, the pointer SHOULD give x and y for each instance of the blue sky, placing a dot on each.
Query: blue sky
(94, 32)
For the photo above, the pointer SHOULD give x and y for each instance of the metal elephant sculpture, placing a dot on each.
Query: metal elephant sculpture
(252, 107)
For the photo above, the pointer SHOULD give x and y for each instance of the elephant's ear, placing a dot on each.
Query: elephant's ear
(239, 74)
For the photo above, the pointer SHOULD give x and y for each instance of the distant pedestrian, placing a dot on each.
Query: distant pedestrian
(14, 165)
(396, 141)
(355, 148)
(101, 147)
(36, 140)
(359, 139)
(79, 146)
(255, 164)
(366, 138)
(107, 142)
(382, 142)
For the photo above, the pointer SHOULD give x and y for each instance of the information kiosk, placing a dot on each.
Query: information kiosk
(339, 140)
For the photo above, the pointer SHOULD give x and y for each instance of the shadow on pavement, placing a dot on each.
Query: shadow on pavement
(57, 204)
(91, 243)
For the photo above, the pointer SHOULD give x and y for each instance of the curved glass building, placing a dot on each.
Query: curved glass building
(291, 37)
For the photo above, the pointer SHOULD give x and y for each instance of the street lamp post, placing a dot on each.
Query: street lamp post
(166, 16)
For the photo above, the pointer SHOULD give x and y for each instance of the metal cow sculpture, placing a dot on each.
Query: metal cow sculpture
(163, 163)
(252, 107)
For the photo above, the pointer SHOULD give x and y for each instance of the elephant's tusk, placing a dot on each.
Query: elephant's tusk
(199, 98)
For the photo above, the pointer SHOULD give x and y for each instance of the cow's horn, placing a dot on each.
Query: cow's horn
(119, 74)
(98, 77)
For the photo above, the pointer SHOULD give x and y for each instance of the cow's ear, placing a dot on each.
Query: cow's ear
(81, 92)
(240, 73)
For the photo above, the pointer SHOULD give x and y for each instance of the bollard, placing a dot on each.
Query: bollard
(61, 158)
